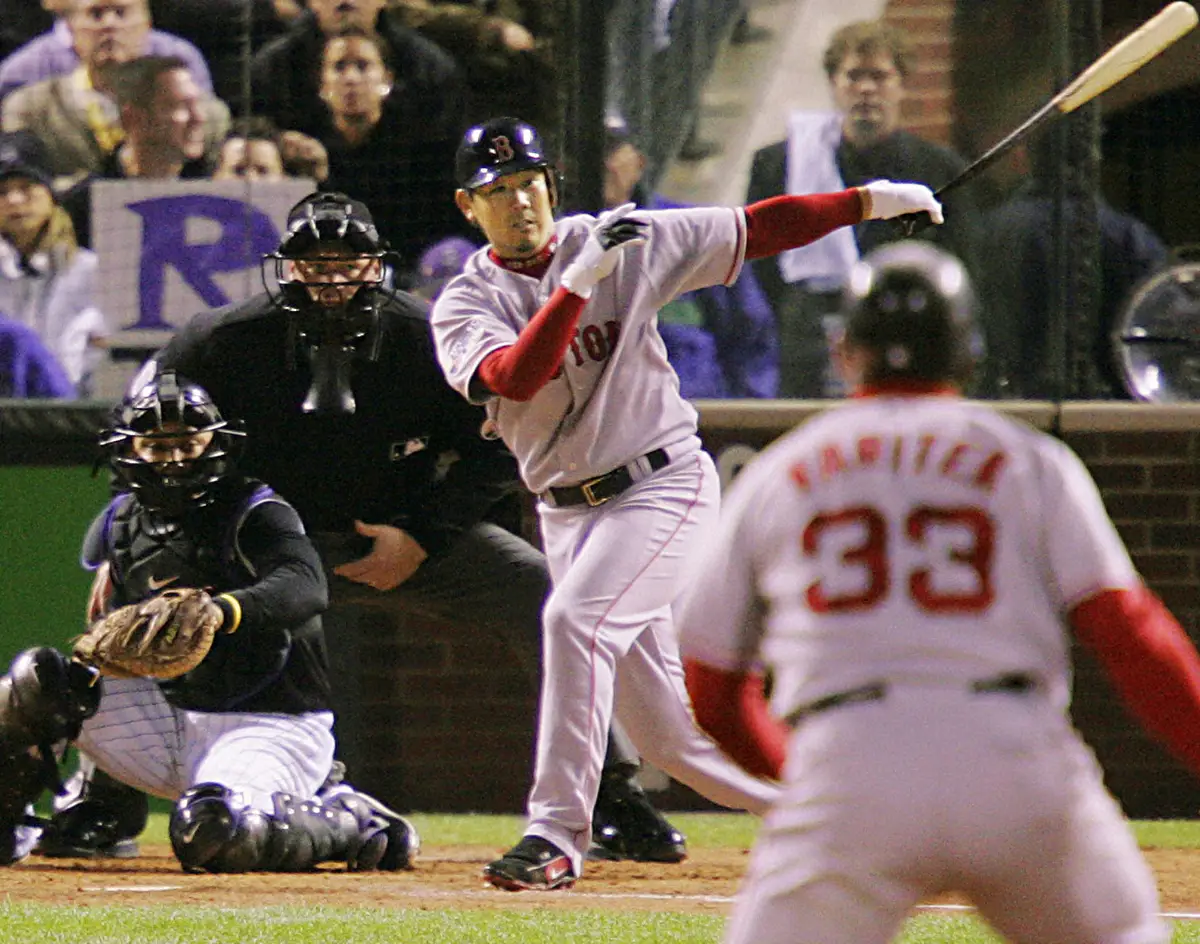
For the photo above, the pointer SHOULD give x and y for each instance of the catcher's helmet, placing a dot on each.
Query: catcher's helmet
(912, 303)
(170, 409)
(498, 147)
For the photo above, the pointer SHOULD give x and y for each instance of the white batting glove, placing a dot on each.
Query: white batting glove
(612, 233)
(886, 199)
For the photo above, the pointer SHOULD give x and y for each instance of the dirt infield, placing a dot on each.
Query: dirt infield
(446, 876)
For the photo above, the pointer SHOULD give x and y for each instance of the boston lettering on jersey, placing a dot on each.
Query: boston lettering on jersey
(923, 454)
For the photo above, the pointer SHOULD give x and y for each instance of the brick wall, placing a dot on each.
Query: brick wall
(928, 105)
(1150, 480)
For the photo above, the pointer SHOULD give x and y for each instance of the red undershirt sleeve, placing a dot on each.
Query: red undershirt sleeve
(788, 221)
(1152, 663)
(520, 370)
(732, 708)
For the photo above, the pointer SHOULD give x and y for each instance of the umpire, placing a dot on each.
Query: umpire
(350, 417)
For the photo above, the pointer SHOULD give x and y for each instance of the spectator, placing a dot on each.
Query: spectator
(508, 69)
(303, 156)
(255, 149)
(166, 123)
(286, 73)
(721, 340)
(28, 370)
(251, 151)
(1017, 284)
(380, 151)
(220, 29)
(47, 283)
(867, 64)
(78, 115)
(80, 25)
(439, 264)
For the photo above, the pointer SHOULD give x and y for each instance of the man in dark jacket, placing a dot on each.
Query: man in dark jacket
(285, 72)
(867, 63)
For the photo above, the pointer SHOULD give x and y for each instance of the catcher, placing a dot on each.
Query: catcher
(203, 677)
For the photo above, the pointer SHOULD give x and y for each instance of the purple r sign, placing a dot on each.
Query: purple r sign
(247, 233)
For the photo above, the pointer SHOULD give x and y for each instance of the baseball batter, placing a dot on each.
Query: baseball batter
(907, 566)
(242, 743)
(553, 327)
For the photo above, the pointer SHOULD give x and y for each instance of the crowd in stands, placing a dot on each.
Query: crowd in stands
(369, 97)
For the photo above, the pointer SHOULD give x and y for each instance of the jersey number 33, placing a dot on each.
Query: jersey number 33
(947, 553)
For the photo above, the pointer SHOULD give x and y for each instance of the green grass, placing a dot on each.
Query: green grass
(26, 923)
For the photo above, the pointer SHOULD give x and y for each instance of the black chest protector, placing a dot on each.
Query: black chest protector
(148, 554)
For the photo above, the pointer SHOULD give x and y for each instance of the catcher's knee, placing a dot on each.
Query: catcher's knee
(210, 832)
(45, 698)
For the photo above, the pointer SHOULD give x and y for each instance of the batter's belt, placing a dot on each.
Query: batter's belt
(607, 486)
(1010, 683)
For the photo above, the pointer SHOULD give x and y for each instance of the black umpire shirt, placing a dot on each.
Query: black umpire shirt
(411, 455)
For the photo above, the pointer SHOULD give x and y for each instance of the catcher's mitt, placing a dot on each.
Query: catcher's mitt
(162, 637)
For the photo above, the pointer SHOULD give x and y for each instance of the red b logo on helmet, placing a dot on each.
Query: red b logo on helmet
(503, 147)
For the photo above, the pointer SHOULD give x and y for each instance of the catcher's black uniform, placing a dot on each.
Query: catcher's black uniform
(250, 544)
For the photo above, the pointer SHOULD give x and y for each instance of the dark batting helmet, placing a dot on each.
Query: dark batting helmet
(168, 407)
(497, 147)
(913, 305)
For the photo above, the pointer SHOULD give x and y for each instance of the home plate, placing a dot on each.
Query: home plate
(131, 888)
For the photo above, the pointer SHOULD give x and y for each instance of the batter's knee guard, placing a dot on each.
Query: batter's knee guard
(44, 698)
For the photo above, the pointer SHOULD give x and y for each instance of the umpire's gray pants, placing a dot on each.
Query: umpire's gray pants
(489, 581)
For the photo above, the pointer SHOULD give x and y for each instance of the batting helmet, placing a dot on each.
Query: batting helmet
(912, 304)
(497, 147)
(168, 407)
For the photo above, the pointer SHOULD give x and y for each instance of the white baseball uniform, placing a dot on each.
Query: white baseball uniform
(916, 555)
(609, 637)
(141, 739)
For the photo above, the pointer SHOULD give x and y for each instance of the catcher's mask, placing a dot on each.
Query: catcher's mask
(170, 446)
(912, 304)
(330, 271)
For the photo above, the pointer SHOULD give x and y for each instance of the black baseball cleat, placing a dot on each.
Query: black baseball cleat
(88, 830)
(533, 863)
(626, 826)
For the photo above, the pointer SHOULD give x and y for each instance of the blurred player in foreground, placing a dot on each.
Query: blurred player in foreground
(909, 567)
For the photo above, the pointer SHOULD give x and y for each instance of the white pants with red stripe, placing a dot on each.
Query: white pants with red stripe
(610, 645)
(142, 740)
(938, 788)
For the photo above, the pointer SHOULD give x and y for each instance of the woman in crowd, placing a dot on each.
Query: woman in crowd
(382, 149)
(47, 281)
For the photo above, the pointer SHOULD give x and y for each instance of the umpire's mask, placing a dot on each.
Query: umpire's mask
(330, 270)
